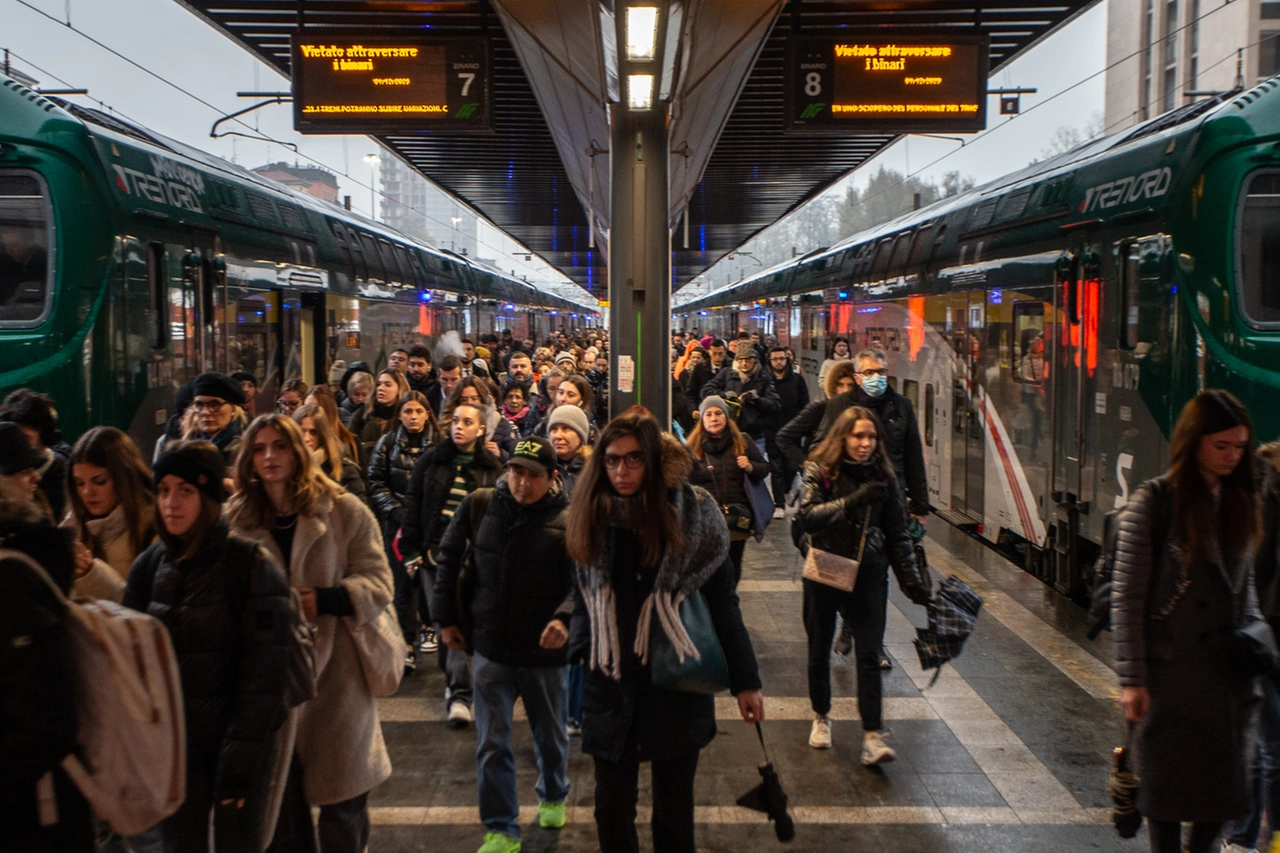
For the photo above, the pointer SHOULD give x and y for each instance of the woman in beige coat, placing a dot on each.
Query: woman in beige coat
(111, 505)
(329, 544)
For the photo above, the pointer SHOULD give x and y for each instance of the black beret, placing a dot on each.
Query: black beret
(242, 376)
(218, 385)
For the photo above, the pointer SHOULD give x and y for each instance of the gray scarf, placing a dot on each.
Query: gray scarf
(706, 547)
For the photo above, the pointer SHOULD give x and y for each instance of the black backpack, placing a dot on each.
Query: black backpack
(1099, 618)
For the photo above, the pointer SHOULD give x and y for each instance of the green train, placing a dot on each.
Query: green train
(1050, 325)
(130, 262)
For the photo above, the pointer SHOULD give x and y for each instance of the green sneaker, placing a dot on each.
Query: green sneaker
(551, 815)
(497, 842)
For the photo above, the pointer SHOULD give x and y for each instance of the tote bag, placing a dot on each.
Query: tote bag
(833, 570)
(708, 674)
(380, 647)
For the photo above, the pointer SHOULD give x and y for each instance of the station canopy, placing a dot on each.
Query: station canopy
(540, 170)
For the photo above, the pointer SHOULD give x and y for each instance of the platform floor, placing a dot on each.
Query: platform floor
(1008, 751)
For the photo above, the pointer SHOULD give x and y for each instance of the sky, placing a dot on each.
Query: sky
(182, 50)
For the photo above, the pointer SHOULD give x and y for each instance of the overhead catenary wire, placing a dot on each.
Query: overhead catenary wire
(498, 250)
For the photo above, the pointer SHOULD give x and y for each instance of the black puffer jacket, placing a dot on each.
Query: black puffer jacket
(793, 396)
(369, 424)
(429, 484)
(902, 437)
(389, 468)
(762, 402)
(718, 472)
(833, 512)
(523, 576)
(229, 610)
(348, 477)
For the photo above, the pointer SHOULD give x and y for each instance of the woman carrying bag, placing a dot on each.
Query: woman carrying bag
(328, 543)
(1182, 605)
(645, 540)
(725, 463)
(852, 509)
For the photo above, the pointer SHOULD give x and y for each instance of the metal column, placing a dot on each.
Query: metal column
(640, 256)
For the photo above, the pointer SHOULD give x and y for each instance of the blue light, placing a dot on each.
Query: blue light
(996, 297)
(425, 296)
(868, 310)
(554, 313)
(702, 238)
(1175, 288)
(702, 313)
(844, 295)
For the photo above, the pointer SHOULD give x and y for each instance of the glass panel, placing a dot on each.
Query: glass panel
(1260, 250)
(1131, 288)
(25, 244)
(1028, 329)
(928, 414)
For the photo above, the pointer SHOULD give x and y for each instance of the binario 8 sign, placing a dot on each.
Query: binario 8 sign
(345, 82)
(881, 81)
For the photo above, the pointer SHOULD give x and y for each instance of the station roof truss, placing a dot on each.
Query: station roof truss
(534, 178)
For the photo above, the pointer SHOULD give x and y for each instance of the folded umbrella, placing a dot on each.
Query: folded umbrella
(768, 797)
(1123, 784)
(952, 612)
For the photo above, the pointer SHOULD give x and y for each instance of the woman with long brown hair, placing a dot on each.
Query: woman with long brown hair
(322, 396)
(723, 459)
(327, 541)
(326, 448)
(853, 507)
(112, 506)
(1183, 592)
(378, 416)
(645, 540)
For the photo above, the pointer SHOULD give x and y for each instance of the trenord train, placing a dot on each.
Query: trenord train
(129, 263)
(1050, 325)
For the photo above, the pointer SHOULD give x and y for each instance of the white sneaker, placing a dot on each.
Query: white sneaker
(875, 750)
(779, 512)
(820, 734)
(1238, 848)
(459, 716)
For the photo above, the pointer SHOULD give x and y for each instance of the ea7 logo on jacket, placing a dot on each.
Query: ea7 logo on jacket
(1149, 185)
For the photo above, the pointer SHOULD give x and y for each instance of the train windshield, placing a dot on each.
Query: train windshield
(25, 246)
(1259, 259)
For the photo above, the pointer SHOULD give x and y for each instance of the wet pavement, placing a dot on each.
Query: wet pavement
(1008, 751)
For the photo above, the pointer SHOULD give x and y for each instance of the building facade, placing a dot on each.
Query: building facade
(311, 180)
(416, 207)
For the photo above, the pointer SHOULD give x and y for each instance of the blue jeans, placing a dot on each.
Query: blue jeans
(1266, 792)
(545, 691)
(577, 680)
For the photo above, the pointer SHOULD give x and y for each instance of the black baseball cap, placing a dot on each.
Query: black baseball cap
(534, 453)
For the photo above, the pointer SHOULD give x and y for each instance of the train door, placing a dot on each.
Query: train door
(206, 283)
(1076, 289)
(966, 322)
(291, 335)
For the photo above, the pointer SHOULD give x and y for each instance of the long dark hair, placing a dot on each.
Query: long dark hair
(830, 451)
(1237, 525)
(592, 507)
(108, 447)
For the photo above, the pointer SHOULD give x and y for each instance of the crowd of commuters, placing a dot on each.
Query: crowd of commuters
(490, 512)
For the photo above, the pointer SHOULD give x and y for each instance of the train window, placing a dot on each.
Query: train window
(911, 390)
(371, 259)
(402, 261)
(1130, 293)
(881, 263)
(928, 414)
(899, 257)
(1258, 245)
(918, 247)
(156, 301)
(1030, 365)
(26, 250)
(388, 261)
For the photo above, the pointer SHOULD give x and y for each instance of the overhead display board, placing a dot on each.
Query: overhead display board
(886, 81)
(345, 82)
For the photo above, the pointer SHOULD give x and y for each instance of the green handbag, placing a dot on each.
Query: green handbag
(707, 676)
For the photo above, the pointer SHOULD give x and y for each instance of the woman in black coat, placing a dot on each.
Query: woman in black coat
(1182, 591)
(378, 416)
(850, 497)
(229, 610)
(723, 459)
(644, 539)
(389, 469)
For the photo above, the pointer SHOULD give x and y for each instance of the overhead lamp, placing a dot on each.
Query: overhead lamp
(639, 91)
(642, 32)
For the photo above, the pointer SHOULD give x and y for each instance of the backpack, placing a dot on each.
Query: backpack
(131, 765)
(1099, 618)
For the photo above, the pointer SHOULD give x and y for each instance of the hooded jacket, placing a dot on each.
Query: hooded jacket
(762, 404)
(523, 576)
(429, 485)
(793, 396)
(622, 710)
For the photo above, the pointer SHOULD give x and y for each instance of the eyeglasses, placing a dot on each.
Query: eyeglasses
(866, 374)
(208, 405)
(633, 460)
(288, 405)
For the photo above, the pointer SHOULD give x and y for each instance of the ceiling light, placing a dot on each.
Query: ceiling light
(639, 91)
(642, 32)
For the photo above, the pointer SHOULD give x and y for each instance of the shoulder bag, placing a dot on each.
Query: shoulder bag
(706, 674)
(833, 570)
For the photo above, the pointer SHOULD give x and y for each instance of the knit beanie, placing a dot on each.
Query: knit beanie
(199, 463)
(572, 417)
(714, 401)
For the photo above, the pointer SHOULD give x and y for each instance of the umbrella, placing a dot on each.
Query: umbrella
(768, 797)
(1122, 784)
(953, 611)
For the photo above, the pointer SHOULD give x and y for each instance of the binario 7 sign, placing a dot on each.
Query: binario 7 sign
(882, 81)
(345, 82)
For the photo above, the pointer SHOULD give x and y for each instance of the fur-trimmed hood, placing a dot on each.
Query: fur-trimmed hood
(677, 464)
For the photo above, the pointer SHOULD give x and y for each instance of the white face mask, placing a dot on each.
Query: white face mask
(874, 385)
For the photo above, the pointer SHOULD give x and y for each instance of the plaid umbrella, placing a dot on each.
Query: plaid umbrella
(953, 611)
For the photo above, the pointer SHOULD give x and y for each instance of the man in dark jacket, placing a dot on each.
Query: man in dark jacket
(747, 383)
(793, 396)
(418, 371)
(441, 478)
(518, 604)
